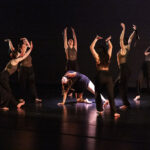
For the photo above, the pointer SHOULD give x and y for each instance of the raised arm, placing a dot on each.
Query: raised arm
(65, 39)
(25, 55)
(25, 40)
(93, 51)
(122, 38)
(11, 47)
(131, 37)
(146, 51)
(74, 38)
(110, 47)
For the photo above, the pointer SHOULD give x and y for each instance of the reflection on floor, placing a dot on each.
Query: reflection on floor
(75, 126)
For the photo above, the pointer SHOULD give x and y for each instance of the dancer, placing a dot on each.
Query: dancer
(26, 75)
(77, 82)
(123, 67)
(70, 47)
(144, 74)
(6, 96)
(103, 76)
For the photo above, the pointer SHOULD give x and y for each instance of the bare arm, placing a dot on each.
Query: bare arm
(146, 51)
(71, 75)
(93, 51)
(25, 55)
(74, 38)
(65, 39)
(110, 47)
(131, 37)
(11, 47)
(64, 98)
(122, 38)
(25, 40)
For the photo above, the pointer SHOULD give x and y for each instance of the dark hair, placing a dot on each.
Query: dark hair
(20, 43)
(14, 54)
(103, 54)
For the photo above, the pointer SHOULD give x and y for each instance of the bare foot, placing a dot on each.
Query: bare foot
(105, 103)
(20, 104)
(100, 112)
(37, 100)
(87, 101)
(4, 108)
(137, 97)
(123, 107)
(60, 104)
(116, 115)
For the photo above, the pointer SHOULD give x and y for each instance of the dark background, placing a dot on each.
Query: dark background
(43, 21)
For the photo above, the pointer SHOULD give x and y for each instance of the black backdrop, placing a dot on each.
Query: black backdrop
(43, 21)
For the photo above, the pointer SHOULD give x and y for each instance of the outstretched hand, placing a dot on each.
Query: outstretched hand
(122, 25)
(7, 40)
(99, 37)
(72, 29)
(134, 27)
(65, 28)
(109, 38)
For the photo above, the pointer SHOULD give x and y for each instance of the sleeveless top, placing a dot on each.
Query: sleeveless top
(123, 58)
(72, 54)
(27, 62)
(10, 68)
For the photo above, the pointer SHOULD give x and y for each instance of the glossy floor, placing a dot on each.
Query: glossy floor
(48, 126)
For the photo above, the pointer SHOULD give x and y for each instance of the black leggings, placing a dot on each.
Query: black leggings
(144, 75)
(104, 79)
(27, 81)
(6, 96)
(122, 83)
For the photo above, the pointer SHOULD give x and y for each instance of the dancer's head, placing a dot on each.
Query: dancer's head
(14, 54)
(70, 43)
(22, 46)
(66, 84)
(103, 54)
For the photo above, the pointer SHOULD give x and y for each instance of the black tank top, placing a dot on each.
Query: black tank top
(10, 68)
(72, 53)
(147, 58)
(123, 58)
(27, 62)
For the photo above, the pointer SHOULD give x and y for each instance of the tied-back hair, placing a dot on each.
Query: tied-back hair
(67, 87)
(20, 45)
(14, 54)
(103, 54)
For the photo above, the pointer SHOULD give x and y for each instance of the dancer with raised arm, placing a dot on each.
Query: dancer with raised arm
(26, 75)
(70, 47)
(123, 66)
(6, 96)
(103, 75)
(144, 74)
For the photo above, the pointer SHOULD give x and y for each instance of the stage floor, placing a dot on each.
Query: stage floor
(75, 126)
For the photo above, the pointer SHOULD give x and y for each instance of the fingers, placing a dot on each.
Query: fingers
(99, 37)
(122, 25)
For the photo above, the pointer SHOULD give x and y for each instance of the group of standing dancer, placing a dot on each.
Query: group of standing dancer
(73, 81)
(21, 61)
